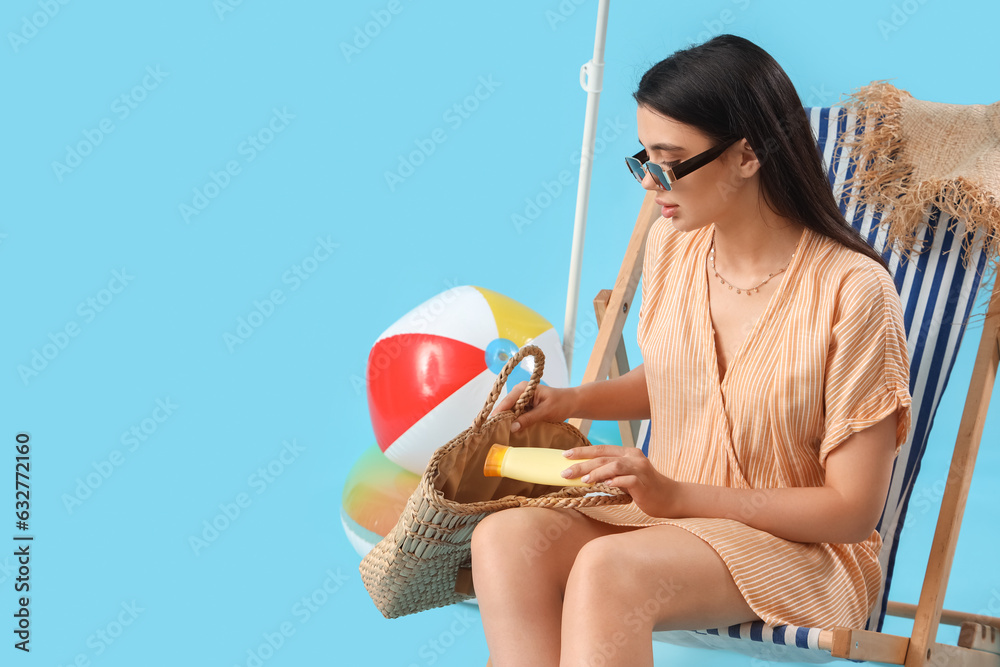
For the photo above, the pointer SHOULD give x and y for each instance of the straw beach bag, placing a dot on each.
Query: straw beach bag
(416, 565)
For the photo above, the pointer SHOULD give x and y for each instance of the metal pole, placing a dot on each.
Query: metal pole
(591, 79)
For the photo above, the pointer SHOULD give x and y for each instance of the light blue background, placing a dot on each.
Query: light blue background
(295, 378)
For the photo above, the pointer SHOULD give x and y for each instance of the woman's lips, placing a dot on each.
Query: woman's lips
(667, 211)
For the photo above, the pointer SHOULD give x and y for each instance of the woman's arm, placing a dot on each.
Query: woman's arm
(844, 510)
(622, 398)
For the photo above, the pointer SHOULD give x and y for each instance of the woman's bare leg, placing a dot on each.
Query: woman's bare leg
(624, 586)
(521, 559)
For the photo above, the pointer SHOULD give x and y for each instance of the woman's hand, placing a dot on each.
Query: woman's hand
(549, 405)
(629, 469)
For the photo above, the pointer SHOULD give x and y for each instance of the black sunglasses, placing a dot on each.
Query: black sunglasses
(639, 164)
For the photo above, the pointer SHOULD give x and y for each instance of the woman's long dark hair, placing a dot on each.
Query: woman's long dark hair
(728, 88)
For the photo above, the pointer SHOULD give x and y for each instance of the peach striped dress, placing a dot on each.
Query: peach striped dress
(826, 358)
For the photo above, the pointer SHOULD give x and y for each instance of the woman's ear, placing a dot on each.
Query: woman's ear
(749, 164)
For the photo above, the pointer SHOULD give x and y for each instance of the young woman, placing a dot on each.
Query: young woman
(776, 377)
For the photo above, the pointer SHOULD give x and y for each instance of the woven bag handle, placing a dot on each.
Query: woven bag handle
(529, 393)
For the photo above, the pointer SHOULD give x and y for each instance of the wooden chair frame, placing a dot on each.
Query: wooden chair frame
(979, 639)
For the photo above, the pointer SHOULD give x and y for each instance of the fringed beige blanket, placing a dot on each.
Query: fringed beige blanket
(913, 154)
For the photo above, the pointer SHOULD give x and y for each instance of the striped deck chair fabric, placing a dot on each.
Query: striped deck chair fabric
(937, 290)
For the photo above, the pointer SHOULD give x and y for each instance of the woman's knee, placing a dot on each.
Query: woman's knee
(656, 577)
(604, 568)
(518, 535)
(601, 556)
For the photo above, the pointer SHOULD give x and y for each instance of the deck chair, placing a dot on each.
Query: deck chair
(938, 290)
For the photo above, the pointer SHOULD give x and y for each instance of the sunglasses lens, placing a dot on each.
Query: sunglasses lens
(658, 176)
(655, 171)
(636, 168)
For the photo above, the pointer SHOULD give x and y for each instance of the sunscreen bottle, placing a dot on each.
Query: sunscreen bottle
(530, 464)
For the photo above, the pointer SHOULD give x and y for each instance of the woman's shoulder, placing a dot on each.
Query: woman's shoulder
(854, 278)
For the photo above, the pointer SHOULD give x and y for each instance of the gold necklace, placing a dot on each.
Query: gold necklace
(741, 290)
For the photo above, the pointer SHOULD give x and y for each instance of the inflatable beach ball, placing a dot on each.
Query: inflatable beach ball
(430, 372)
(375, 494)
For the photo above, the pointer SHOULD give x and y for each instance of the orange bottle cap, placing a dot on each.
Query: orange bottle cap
(494, 458)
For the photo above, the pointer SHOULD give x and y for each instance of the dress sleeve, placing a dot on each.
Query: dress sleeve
(868, 368)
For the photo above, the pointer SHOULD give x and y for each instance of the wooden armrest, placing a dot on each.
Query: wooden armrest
(979, 637)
